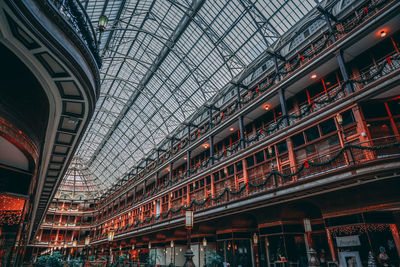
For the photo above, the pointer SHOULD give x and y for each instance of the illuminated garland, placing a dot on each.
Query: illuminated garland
(289, 117)
(262, 133)
(10, 217)
(358, 229)
(306, 111)
(228, 191)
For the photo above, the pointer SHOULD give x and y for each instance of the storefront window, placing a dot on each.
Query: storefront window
(236, 253)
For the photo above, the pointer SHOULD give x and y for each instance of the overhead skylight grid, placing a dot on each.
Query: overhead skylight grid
(150, 85)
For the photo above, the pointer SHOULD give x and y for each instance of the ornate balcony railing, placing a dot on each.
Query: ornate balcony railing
(74, 13)
(266, 177)
(341, 31)
(382, 68)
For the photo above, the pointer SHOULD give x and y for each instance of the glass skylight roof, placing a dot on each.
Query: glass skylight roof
(162, 61)
(79, 179)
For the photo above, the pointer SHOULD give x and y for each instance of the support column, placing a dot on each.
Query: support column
(144, 188)
(171, 164)
(241, 133)
(188, 156)
(282, 101)
(278, 76)
(241, 123)
(211, 140)
(188, 137)
(339, 55)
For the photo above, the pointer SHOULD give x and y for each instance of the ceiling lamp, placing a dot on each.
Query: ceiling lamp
(205, 145)
(382, 33)
(266, 107)
(231, 129)
(313, 76)
(103, 21)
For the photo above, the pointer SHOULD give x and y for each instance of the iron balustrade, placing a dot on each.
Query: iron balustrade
(265, 177)
(342, 28)
(367, 76)
(75, 14)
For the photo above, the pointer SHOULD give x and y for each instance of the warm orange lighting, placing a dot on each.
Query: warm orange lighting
(185, 158)
(382, 33)
(205, 145)
(266, 107)
(313, 76)
(231, 129)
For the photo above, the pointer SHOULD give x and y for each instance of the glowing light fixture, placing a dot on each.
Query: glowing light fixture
(267, 107)
(172, 243)
(111, 234)
(189, 219)
(231, 129)
(103, 21)
(255, 239)
(382, 33)
(313, 76)
(339, 119)
(270, 151)
(204, 242)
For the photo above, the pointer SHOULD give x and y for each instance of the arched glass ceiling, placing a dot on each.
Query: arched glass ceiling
(162, 60)
(79, 179)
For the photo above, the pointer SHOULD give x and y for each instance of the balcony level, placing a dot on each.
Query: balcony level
(50, 77)
(352, 37)
(335, 138)
(307, 101)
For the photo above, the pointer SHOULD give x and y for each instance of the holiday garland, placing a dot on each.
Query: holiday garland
(265, 131)
(285, 119)
(10, 217)
(228, 191)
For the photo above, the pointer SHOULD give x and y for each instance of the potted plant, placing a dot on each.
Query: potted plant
(214, 259)
(53, 260)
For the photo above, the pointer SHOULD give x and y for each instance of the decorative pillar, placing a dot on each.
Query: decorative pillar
(339, 55)
(171, 164)
(282, 101)
(211, 140)
(188, 129)
(188, 156)
(278, 76)
(331, 245)
(245, 174)
(144, 187)
(241, 123)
